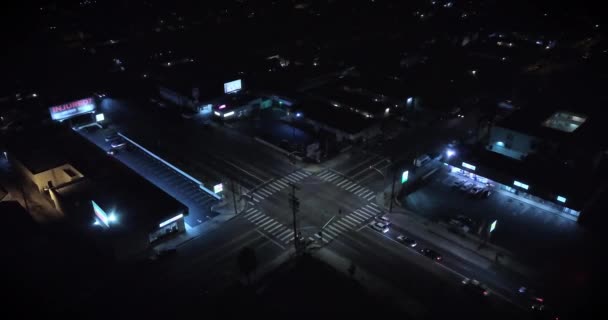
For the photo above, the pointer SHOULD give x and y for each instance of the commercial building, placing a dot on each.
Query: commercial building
(235, 106)
(120, 210)
(548, 155)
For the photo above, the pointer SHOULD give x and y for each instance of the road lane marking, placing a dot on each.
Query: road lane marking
(343, 223)
(271, 230)
(267, 222)
(341, 182)
(259, 219)
(374, 209)
(285, 237)
(267, 237)
(350, 221)
(370, 197)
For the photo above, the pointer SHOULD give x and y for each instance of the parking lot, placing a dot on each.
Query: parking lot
(166, 178)
(524, 229)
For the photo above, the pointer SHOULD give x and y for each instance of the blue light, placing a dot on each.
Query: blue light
(500, 143)
(469, 166)
(561, 199)
(450, 153)
(521, 185)
(177, 217)
(298, 114)
(112, 217)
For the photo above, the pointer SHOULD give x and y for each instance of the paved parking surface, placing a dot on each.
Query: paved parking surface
(522, 228)
(172, 182)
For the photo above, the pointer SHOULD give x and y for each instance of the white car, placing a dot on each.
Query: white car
(380, 227)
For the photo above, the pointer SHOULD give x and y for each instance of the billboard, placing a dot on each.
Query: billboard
(68, 110)
(233, 86)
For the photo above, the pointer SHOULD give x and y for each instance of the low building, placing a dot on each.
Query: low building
(548, 155)
(235, 106)
(120, 210)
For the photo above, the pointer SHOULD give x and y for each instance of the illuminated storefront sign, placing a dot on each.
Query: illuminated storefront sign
(561, 199)
(218, 188)
(222, 107)
(177, 217)
(468, 166)
(99, 117)
(226, 115)
(64, 111)
(493, 225)
(405, 176)
(101, 215)
(520, 184)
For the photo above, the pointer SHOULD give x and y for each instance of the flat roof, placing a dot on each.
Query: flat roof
(338, 118)
(108, 182)
(358, 102)
(231, 101)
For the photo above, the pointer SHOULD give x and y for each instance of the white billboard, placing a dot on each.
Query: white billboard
(232, 86)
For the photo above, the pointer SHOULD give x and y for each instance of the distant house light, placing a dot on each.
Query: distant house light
(520, 184)
(561, 199)
(469, 166)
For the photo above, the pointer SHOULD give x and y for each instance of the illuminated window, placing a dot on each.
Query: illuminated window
(521, 185)
(468, 166)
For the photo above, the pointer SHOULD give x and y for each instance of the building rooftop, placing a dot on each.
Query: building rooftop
(335, 117)
(108, 182)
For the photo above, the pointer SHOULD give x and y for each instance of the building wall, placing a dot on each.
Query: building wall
(175, 97)
(57, 176)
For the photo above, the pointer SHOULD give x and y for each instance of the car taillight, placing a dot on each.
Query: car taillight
(485, 293)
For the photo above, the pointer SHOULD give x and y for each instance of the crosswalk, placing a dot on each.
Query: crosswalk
(269, 226)
(346, 184)
(278, 185)
(351, 221)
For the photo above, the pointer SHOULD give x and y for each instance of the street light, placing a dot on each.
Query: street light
(450, 153)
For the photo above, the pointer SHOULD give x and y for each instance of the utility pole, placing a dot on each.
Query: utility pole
(390, 205)
(294, 204)
(233, 196)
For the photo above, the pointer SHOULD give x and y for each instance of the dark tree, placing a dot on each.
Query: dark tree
(248, 262)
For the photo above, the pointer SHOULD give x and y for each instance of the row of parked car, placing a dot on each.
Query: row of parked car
(474, 189)
(116, 143)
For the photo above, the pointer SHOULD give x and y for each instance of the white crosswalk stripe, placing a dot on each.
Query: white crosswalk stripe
(348, 219)
(276, 189)
(300, 174)
(343, 223)
(283, 232)
(332, 228)
(353, 187)
(251, 203)
(357, 189)
(271, 228)
(291, 179)
(360, 215)
(375, 205)
(311, 238)
(317, 235)
(261, 219)
(368, 211)
(370, 197)
(346, 185)
(285, 237)
(250, 210)
(255, 216)
(373, 209)
(275, 184)
(333, 178)
(325, 175)
(256, 200)
(339, 227)
(251, 214)
(266, 223)
(340, 183)
(257, 196)
(361, 191)
(329, 232)
(265, 192)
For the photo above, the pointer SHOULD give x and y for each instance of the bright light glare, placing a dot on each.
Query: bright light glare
(298, 114)
(217, 113)
(469, 166)
(222, 107)
(164, 223)
(500, 143)
(450, 153)
(99, 117)
(228, 114)
(112, 217)
(561, 199)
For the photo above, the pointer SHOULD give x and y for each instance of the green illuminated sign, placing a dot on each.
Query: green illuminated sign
(405, 176)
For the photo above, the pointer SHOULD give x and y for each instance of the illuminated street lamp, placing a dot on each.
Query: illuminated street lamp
(450, 153)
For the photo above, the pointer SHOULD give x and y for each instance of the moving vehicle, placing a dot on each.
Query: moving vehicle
(475, 287)
(118, 143)
(431, 254)
(384, 219)
(379, 226)
(111, 136)
(407, 241)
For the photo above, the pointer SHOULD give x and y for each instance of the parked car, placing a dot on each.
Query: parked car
(465, 187)
(111, 136)
(118, 143)
(431, 254)
(407, 241)
(112, 151)
(380, 227)
(475, 287)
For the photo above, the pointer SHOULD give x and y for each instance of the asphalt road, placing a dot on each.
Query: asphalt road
(437, 286)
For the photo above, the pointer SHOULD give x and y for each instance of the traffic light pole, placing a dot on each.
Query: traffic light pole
(294, 203)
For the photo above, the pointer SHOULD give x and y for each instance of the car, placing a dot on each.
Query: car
(458, 183)
(484, 194)
(475, 190)
(407, 241)
(465, 187)
(431, 254)
(100, 94)
(384, 219)
(112, 152)
(475, 287)
(111, 136)
(118, 143)
(380, 227)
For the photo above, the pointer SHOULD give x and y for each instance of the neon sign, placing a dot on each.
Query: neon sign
(101, 215)
(71, 109)
(164, 223)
